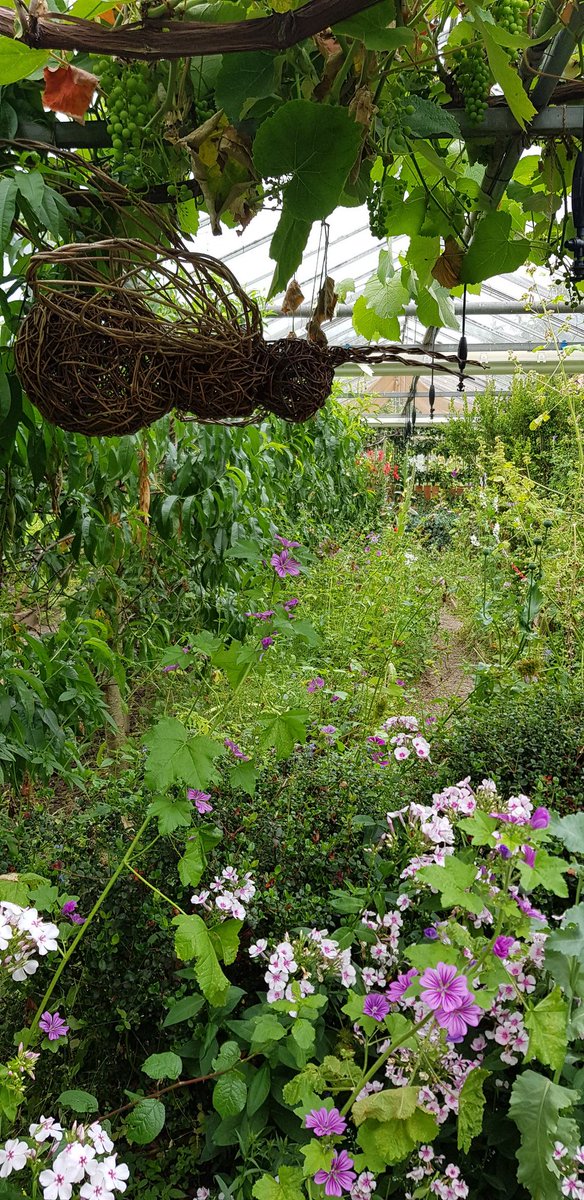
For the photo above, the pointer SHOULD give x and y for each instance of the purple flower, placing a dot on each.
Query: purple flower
(267, 641)
(431, 933)
(170, 667)
(334, 698)
(288, 604)
(529, 855)
(262, 616)
(377, 741)
(400, 985)
(340, 1177)
(313, 684)
(284, 564)
(236, 750)
(325, 1121)
(284, 542)
(504, 851)
(523, 903)
(457, 1021)
(53, 1025)
(200, 800)
(69, 910)
(502, 946)
(328, 729)
(376, 1006)
(540, 818)
(443, 988)
(400, 682)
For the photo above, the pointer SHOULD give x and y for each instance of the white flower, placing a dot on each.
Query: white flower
(401, 753)
(96, 1188)
(116, 1174)
(254, 951)
(23, 969)
(55, 1184)
(202, 1194)
(5, 932)
(46, 1127)
(200, 898)
(474, 541)
(78, 1159)
(13, 1157)
(101, 1140)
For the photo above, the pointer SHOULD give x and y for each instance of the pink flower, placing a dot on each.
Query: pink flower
(236, 750)
(267, 641)
(540, 818)
(443, 988)
(529, 855)
(54, 1026)
(284, 542)
(340, 1176)
(284, 564)
(200, 800)
(313, 684)
(457, 1021)
(400, 985)
(325, 1121)
(376, 1006)
(170, 667)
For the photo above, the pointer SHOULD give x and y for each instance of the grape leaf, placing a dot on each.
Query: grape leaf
(491, 251)
(429, 118)
(372, 27)
(368, 323)
(242, 79)
(286, 248)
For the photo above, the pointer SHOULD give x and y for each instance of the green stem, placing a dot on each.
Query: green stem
(381, 1060)
(154, 889)
(83, 930)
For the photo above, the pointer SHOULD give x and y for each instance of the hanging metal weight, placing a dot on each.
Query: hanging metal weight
(576, 244)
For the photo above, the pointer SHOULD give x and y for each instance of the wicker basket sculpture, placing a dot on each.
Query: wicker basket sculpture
(120, 332)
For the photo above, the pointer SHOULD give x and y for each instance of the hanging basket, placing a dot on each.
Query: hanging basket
(120, 332)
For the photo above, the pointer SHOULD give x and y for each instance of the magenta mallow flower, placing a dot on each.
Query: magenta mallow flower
(284, 564)
(236, 750)
(456, 1021)
(325, 1121)
(313, 684)
(376, 1006)
(284, 542)
(529, 855)
(267, 641)
(502, 946)
(431, 933)
(523, 903)
(400, 985)
(69, 909)
(504, 851)
(340, 1176)
(540, 818)
(291, 603)
(200, 800)
(53, 1025)
(262, 616)
(443, 988)
(170, 667)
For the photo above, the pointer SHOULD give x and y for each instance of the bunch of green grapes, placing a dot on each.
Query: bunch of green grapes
(394, 108)
(130, 93)
(385, 194)
(473, 78)
(511, 14)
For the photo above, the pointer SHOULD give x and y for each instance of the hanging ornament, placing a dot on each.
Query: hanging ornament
(576, 244)
(432, 390)
(462, 353)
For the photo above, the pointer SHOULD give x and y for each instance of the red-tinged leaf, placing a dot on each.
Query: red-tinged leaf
(69, 90)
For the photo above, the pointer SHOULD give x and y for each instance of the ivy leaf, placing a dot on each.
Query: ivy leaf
(286, 248)
(429, 118)
(244, 78)
(471, 1103)
(284, 730)
(288, 1185)
(535, 1107)
(17, 61)
(491, 251)
(372, 28)
(145, 1122)
(175, 756)
(230, 1094)
(547, 1024)
(452, 882)
(192, 941)
(315, 145)
(163, 1066)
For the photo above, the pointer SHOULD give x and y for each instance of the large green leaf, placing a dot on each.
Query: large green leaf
(17, 61)
(176, 756)
(393, 1103)
(244, 78)
(287, 247)
(369, 325)
(387, 1142)
(387, 297)
(429, 118)
(547, 872)
(79, 1101)
(288, 1185)
(535, 1107)
(374, 27)
(492, 252)
(145, 1121)
(163, 1066)
(7, 208)
(570, 831)
(315, 145)
(471, 1103)
(192, 941)
(284, 730)
(230, 1094)
(434, 306)
(547, 1025)
(452, 881)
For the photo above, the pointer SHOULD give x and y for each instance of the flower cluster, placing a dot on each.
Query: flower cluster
(61, 1161)
(402, 733)
(227, 894)
(571, 1168)
(24, 937)
(433, 1179)
(293, 966)
(282, 560)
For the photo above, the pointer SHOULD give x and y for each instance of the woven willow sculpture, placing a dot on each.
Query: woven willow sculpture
(120, 332)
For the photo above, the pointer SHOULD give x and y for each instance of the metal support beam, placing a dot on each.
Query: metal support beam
(474, 308)
(496, 362)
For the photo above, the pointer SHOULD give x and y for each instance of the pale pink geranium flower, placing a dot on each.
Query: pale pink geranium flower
(13, 1157)
(55, 1183)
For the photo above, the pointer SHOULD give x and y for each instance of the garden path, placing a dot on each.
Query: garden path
(447, 677)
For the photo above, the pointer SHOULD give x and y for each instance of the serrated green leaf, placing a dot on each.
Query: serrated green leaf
(492, 251)
(192, 941)
(570, 831)
(286, 248)
(229, 1054)
(145, 1122)
(453, 881)
(369, 325)
(171, 813)
(242, 79)
(288, 1185)
(230, 1094)
(225, 938)
(391, 1104)
(535, 1107)
(547, 1025)
(176, 756)
(316, 1157)
(314, 146)
(163, 1066)
(471, 1104)
(193, 862)
(374, 27)
(7, 208)
(284, 730)
(429, 118)
(434, 307)
(244, 776)
(79, 1101)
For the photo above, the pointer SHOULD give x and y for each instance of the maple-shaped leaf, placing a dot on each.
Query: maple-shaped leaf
(69, 90)
(176, 756)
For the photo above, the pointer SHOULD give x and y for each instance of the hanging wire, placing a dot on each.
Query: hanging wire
(576, 244)
(432, 389)
(462, 352)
